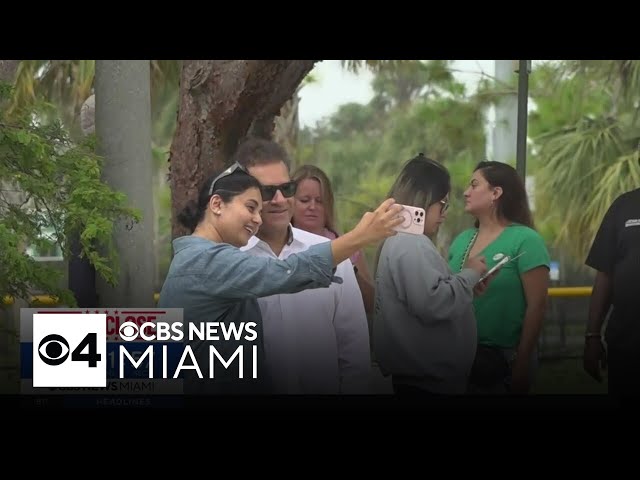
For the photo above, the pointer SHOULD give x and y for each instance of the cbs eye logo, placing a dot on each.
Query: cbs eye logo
(128, 331)
(54, 350)
(69, 350)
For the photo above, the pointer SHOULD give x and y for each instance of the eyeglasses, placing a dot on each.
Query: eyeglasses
(444, 206)
(226, 173)
(288, 190)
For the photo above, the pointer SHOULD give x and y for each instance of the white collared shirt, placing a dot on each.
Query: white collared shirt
(316, 341)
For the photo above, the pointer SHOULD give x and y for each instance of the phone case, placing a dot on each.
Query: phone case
(414, 218)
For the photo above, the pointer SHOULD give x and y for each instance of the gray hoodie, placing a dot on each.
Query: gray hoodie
(424, 329)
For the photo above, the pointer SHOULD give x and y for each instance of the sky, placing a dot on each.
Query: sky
(336, 86)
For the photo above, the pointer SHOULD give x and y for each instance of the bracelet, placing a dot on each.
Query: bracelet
(592, 335)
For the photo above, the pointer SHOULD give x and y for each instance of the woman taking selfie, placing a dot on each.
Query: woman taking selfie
(213, 281)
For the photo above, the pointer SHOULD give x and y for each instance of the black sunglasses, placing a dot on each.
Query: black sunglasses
(444, 206)
(226, 173)
(269, 191)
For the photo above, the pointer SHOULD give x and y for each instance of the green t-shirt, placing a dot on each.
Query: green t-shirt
(501, 309)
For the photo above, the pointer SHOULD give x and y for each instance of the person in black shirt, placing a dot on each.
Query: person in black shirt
(615, 254)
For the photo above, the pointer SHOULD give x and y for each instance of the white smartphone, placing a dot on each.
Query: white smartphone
(414, 218)
(506, 259)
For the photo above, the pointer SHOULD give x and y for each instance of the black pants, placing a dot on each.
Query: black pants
(623, 372)
(404, 390)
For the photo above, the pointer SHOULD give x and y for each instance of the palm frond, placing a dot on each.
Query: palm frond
(24, 93)
(165, 71)
(577, 179)
(621, 176)
(628, 71)
(374, 65)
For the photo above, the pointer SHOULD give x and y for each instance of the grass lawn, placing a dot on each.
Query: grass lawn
(566, 376)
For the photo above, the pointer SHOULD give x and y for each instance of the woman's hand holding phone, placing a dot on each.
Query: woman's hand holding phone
(484, 282)
(488, 276)
(479, 264)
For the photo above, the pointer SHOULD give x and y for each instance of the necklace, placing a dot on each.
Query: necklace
(468, 250)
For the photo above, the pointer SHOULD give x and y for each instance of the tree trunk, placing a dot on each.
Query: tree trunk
(221, 101)
(8, 70)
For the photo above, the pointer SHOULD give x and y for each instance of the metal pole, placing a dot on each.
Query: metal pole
(524, 68)
(504, 130)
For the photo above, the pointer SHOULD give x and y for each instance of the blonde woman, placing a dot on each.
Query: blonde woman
(314, 212)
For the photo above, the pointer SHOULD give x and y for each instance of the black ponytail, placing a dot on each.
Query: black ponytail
(191, 215)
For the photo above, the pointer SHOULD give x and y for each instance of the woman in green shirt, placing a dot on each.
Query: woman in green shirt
(510, 313)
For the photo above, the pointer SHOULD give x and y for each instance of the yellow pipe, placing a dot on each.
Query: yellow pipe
(570, 291)
(553, 292)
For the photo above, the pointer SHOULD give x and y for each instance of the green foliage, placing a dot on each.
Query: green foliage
(162, 207)
(562, 100)
(398, 85)
(19, 272)
(48, 183)
(417, 107)
(585, 140)
(583, 147)
(66, 84)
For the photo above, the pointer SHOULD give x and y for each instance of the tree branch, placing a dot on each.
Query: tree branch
(52, 223)
(290, 79)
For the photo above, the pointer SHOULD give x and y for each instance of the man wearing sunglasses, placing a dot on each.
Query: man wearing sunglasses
(316, 341)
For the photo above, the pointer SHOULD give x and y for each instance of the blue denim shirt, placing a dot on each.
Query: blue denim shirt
(216, 282)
